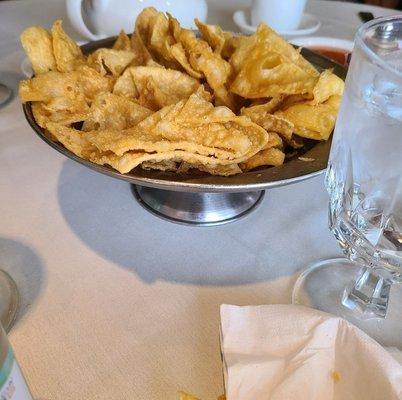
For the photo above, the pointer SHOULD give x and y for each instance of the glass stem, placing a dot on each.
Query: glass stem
(368, 293)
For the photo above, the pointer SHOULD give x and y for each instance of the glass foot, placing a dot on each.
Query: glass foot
(5, 94)
(8, 300)
(322, 286)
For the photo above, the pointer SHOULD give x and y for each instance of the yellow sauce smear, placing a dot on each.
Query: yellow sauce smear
(336, 376)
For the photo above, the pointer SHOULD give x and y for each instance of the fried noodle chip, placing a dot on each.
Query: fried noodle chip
(313, 121)
(66, 52)
(37, 43)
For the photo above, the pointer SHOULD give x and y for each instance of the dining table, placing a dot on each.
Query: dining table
(116, 303)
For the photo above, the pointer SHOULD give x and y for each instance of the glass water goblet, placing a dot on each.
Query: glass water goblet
(364, 182)
(9, 300)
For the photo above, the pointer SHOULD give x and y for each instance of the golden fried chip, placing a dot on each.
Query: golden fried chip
(185, 396)
(274, 141)
(202, 59)
(213, 35)
(269, 39)
(154, 38)
(313, 121)
(125, 86)
(168, 165)
(141, 53)
(110, 61)
(142, 26)
(122, 42)
(62, 98)
(50, 85)
(244, 47)
(270, 157)
(37, 43)
(43, 114)
(203, 93)
(269, 66)
(152, 63)
(328, 85)
(179, 54)
(128, 161)
(294, 99)
(132, 159)
(92, 82)
(66, 109)
(265, 106)
(270, 122)
(194, 126)
(109, 111)
(268, 74)
(160, 40)
(40, 115)
(71, 139)
(221, 42)
(153, 97)
(75, 141)
(66, 52)
(187, 48)
(70, 88)
(232, 42)
(159, 87)
(217, 72)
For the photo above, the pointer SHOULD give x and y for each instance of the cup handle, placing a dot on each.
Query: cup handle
(74, 12)
(369, 293)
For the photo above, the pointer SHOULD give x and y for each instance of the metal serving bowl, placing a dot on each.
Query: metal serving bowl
(205, 199)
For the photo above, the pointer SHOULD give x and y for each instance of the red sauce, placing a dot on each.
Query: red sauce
(338, 55)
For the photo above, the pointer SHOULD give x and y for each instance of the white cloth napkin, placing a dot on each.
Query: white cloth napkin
(286, 352)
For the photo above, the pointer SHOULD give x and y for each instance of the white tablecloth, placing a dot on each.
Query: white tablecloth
(117, 304)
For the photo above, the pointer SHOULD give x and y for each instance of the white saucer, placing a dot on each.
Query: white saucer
(26, 68)
(309, 24)
(316, 41)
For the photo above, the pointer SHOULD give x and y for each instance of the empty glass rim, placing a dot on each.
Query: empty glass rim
(375, 58)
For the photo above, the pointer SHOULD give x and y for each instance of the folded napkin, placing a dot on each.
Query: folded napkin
(286, 352)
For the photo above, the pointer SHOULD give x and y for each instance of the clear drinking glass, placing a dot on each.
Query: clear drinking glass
(364, 182)
(9, 300)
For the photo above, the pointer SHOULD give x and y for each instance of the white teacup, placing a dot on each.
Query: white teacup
(107, 17)
(281, 15)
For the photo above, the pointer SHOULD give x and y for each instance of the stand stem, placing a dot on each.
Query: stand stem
(199, 209)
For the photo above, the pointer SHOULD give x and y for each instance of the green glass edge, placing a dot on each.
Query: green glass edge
(6, 368)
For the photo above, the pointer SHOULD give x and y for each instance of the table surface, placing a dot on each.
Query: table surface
(115, 303)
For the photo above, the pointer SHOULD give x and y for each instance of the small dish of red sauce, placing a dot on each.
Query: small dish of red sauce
(337, 50)
(340, 56)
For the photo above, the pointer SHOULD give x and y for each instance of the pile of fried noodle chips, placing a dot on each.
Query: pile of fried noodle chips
(167, 99)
